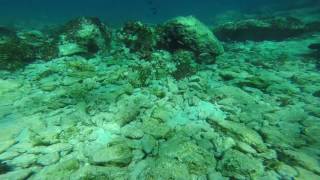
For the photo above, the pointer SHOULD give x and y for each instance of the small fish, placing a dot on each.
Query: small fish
(152, 7)
(150, 2)
(154, 11)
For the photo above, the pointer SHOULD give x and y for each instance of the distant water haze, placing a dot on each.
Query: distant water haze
(119, 11)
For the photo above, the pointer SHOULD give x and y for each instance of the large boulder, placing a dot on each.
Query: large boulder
(188, 33)
(275, 28)
(83, 36)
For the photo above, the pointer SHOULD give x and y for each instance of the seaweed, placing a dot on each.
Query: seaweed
(185, 65)
(138, 37)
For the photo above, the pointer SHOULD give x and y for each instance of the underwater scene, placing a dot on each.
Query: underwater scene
(159, 90)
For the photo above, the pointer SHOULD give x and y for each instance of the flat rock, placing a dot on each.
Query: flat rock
(305, 174)
(240, 166)
(48, 159)
(308, 162)
(148, 143)
(24, 160)
(17, 175)
(118, 154)
(241, 132)
(4, 145)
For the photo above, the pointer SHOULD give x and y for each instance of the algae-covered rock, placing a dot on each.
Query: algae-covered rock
(42, 44)
(148, 143)
(301, 158)
(119, 154)
(24, 160)
(241, 132)
(164, 168)
(62, 170)
(17, 175)
(155, 128)
(129, 108)
(100, 173)
(275, 28)
(185, 64)
(84, 36)
(188, 33)
(240, 166)
(196, 158)
(13, 52)
(139, 37)
(305, 174)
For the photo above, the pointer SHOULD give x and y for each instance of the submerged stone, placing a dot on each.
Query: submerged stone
(139, 37)
(164, 168)
(240, 166)
(83, 36)
(13, 52)
(18, 174)
(188, 33)
(275, 28)
(241, 132)
(197, 159)
(118, 154)
(4, 168)
(62, 170)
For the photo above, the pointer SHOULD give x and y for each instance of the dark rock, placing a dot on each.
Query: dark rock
(276, 28)
(4, 168)
(313, 26)
(314, 46)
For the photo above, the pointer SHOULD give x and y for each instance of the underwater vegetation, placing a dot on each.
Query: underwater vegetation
(174, 100)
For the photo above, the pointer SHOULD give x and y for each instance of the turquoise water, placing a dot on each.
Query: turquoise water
(159, 90)
(119, 11)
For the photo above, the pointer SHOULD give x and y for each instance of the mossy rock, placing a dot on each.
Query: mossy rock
(83, 36)
(139, 37)
(197, 159)
(188, 33)
(165, 168)
(237, 165)
(274, 28)
(13, 52)
(185, 64)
